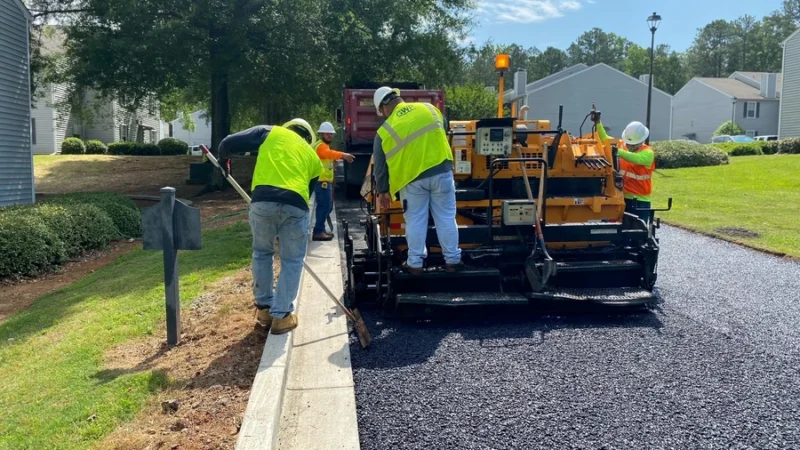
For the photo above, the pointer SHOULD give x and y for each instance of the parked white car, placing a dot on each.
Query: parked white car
(767, 137)
(194, 150)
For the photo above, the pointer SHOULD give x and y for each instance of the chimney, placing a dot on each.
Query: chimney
(645, 78)
(520, 82)
(768, 85)
(745, 79)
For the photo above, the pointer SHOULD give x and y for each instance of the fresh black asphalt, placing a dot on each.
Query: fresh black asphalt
(714, 366)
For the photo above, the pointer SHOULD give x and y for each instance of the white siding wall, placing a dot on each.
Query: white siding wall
(699, 109)
(790, 95)
(16, 162)
(103, 124)
(45, 132)
(61, 115)
(767, 120)
(201, 134)
(620, 98)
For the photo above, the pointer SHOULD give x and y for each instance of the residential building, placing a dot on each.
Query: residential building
(100, 118)
(16, 160)
(750, 99)
(789, 120)
(620, 98)
(202, 130)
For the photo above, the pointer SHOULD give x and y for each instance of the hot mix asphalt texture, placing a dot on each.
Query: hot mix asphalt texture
(714, 366)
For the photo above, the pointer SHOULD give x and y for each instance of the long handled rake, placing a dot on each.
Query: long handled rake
(358, 322)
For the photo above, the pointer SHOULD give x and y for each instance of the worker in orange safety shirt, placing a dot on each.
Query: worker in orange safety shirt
(323, 192)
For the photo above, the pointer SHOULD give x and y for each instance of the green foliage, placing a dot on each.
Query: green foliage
(94, 147)
(38, 238)
(72, 146)
(729, 128)
(121, 148)
(27, 246)
(741, 148)
(121, 209)
(677, 154)
(173, 146)
(789, 146)
(469, 102)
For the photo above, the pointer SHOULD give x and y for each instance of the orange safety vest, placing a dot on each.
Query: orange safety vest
(638, 179)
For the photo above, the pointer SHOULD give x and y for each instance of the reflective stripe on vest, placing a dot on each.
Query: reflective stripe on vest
(327, 166)
(286, 161)
(414, 140)
(402, 143)
(634, 176)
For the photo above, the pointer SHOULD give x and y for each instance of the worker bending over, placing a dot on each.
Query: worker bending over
(412, 157)
(286, 172)
(636, 165)
(323, 192)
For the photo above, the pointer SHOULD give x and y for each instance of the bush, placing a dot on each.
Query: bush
(121, 148)
(95, 148)
(789, 146)
(730, 128)
(173, 146)
(122, 211)
(72, 146)
(27, 246)
(677, 154)
(741, 148)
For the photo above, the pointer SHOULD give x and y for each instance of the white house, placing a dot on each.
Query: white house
(750, 99)
(104, 120)
(789, 119)
(619, 97)
(201, 133)
(16, 161)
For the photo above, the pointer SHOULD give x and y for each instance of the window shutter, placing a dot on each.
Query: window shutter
(746, 104)
(758, 109)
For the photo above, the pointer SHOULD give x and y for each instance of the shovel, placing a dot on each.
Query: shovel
(536, 279)
(361, 328)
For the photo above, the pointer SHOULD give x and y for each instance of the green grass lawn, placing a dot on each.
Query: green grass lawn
(51, 354)
(757, 193)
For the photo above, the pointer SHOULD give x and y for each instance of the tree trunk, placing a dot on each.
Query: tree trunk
(220, 111)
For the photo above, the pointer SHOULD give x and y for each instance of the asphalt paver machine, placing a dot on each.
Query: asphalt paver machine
(541, 216)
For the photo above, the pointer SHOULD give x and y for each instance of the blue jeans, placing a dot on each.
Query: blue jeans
(631, 204)
(437, 194)
(269, 220)
(324, 198)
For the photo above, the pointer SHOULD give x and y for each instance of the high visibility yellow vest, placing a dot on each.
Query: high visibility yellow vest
(286, 161)
(327, 166)
(414, 140)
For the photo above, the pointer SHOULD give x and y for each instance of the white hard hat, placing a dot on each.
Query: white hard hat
(635, 133)
(326, 127)
(381, 94)
(300, 124)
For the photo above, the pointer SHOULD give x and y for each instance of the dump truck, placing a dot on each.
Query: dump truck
(360, 122)
(541, 217)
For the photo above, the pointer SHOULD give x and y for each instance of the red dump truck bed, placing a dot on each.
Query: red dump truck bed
(360, 123)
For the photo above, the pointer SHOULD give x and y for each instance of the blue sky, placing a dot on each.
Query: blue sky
(558, 23)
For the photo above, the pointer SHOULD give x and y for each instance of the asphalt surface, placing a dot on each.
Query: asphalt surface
(715, 366)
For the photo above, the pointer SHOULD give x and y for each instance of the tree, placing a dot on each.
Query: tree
(470, 101)
(791, 8)
(729, 128)
(742, 29)
(548, 62)
(709, 55)
(596, 46)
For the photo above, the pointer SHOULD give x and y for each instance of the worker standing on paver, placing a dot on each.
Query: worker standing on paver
(286, 172)
(412, 157)
(323, 192)
(636, 165)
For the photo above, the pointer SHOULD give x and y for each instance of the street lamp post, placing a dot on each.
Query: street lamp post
(653, 21)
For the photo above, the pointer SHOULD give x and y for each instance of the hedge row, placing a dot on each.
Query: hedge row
(166, 146)
(677, 154)
(784, 146)
(37, 238)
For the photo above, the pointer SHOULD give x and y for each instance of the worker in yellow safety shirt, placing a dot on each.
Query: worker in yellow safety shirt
(636, 165)
(412, 157)
(323, 192)
(286, 172)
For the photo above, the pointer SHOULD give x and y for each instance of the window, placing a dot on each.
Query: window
(153, 137)
(123, 133)
(33, 131)
(752, 110)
